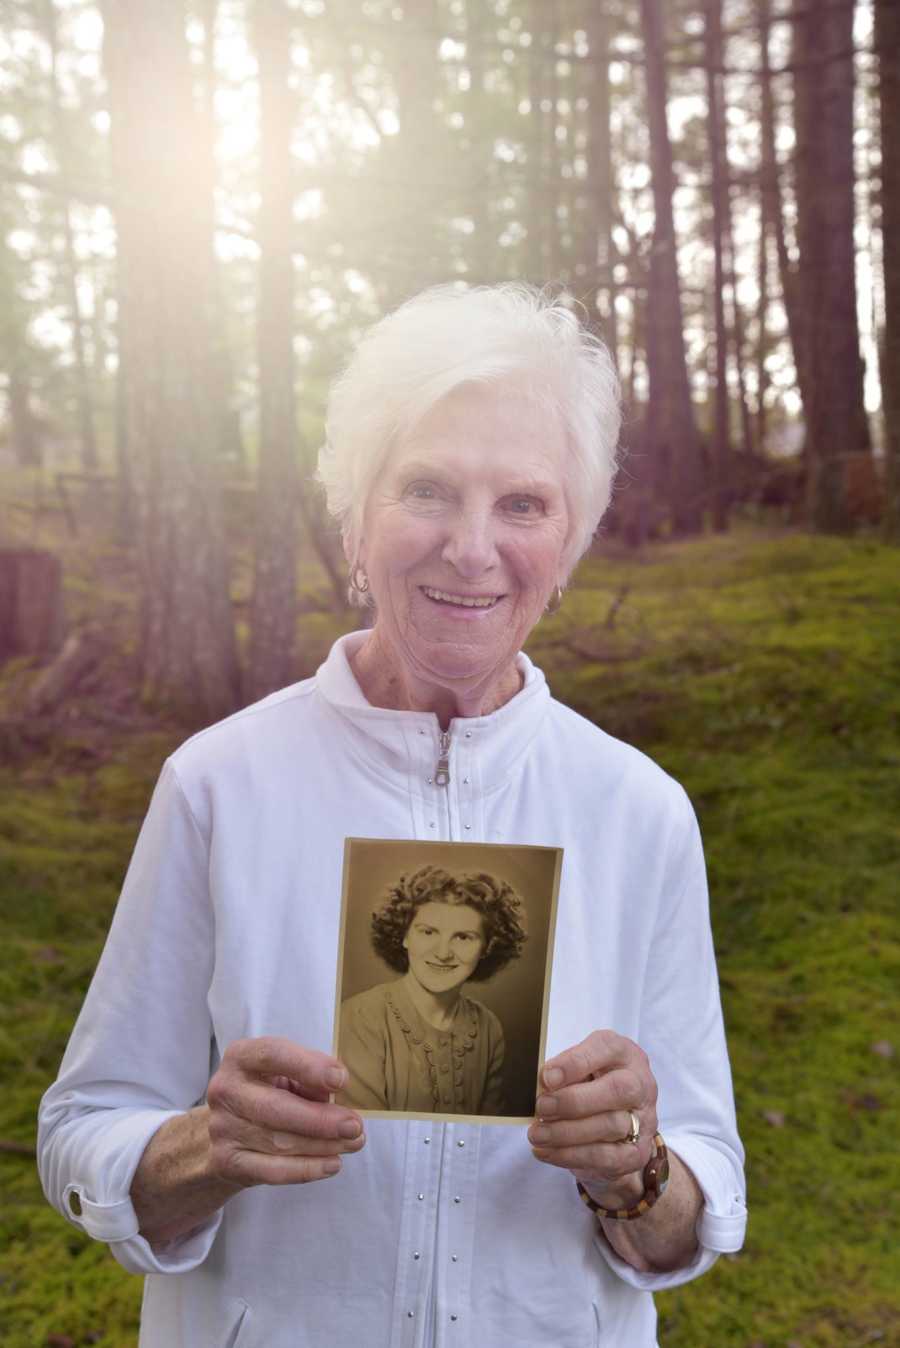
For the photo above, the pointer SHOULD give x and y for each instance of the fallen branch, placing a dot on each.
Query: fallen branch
(609, 621)
(9, 1148)
(81, 653)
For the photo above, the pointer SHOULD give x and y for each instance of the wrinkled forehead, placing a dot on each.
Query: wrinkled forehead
(484, 434)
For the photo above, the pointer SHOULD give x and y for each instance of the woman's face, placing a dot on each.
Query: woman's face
(444, 943)
(463, 535)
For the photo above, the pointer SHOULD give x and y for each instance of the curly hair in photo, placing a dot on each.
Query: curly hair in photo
(498, 903)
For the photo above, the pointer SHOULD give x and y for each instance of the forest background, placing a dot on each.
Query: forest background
(202, 205)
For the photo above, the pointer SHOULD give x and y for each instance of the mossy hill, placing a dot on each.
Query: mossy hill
(762, 672)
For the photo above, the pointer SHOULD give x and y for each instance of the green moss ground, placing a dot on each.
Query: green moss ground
(765, 674)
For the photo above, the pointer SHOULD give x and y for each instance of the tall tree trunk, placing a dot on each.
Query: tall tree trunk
(537, 249)
(84, 401)
(738, 333)
(671, 430)
(773, 212)
(188, 651)
(716, 125)
(598, 251)
(229, 434)
(24, 434)
(480, 145)
(413, 159)
(553, 228)
(836, 419)
(762, 327)
(887, 42)
(126, 492)
(274, 608)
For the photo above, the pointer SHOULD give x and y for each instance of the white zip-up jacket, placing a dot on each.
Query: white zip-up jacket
(437, 1234)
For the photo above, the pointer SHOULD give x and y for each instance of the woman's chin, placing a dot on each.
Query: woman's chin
(452, 660)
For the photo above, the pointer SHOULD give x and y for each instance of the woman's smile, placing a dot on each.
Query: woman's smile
(472, 603)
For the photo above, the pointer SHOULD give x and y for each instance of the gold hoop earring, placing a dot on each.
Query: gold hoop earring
(554, 603)
(359, 581)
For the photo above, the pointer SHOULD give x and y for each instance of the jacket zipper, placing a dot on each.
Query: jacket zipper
(442, 771)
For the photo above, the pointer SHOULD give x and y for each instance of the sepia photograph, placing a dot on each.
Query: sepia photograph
(444, 977)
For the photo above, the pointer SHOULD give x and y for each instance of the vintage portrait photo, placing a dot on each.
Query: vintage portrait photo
(444, 977)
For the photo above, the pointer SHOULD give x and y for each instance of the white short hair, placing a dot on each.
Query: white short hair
(448, 336)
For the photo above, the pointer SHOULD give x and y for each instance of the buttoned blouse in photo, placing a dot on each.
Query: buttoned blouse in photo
(397, 1061)
(436, 1234)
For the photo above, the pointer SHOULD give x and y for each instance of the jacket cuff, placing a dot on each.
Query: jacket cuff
(97, 1195)
(723, 1221)
(720, 1226)
(655, 1282)
(137, 1255)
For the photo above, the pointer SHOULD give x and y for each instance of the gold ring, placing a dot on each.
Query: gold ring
(634, 1131)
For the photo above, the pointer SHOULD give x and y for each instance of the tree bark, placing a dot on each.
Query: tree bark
(480, 146)
(24, 431)
(836, 419)
(188, 653)
(762, 326)
(31, 603)
(773, 212)
(537, 244)
(83, 398)
(716, 126)
(671, 430)
(273, 611)
(413, 160)
(229, 433)
(887, 42)
(597, 249)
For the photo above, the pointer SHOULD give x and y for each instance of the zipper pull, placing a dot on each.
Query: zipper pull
(442, 771)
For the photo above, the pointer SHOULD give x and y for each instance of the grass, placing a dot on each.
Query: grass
(763, 673)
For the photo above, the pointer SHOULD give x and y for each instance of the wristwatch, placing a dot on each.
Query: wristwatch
(656, 1177)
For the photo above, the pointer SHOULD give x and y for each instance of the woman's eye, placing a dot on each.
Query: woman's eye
(421, 491)
(524, 505)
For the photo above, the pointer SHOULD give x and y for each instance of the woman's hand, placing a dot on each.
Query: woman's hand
(270, 1120)
(267, 1120)
(584, 1116)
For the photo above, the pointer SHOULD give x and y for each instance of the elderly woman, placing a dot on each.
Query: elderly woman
(417, 1043)
(469, 457)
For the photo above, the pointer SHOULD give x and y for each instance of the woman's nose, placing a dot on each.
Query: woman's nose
(445, 949)
(471, 546)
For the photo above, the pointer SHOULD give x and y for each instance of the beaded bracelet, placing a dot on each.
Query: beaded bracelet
(656, 1177)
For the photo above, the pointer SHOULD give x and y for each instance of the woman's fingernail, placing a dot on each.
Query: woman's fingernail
(332, 1166)
(547, 1106)
(335, 1077)
(553, 1077)
(349, 1128)
(539, 1133)
(285, 1141)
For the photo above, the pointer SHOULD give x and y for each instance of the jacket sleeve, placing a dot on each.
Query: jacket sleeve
(141, 1048)
(682, 1032)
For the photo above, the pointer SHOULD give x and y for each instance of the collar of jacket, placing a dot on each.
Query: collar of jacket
(486, 748)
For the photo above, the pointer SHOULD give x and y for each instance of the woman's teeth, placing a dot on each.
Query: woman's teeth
(466, 601)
